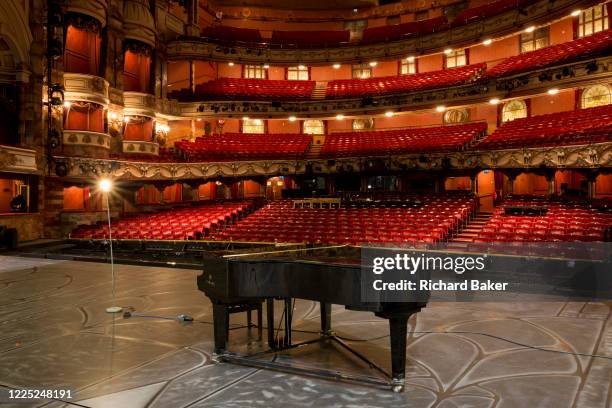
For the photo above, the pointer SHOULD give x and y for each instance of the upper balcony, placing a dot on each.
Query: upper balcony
(500, 18)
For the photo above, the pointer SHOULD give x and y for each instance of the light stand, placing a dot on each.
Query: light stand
(106, 186)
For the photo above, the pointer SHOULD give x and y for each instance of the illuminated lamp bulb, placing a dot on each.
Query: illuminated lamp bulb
(576, 13)
(339, 116)
(105, 185)
(410, 59)
(336, 66)
(530, 29)
(389, 114)
(67, 104)
(373, 63)
(292, 118)
(231, 64)
(494, 101)
(553, 91)
(440, 108)
(488, 41)
(448, 51)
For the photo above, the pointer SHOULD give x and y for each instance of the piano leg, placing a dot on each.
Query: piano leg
(259, 321)
(220, 326)
(325, 311)
(270, 315)
(398, 328)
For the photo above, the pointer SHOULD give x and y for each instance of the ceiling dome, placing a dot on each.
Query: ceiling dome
(138, 22)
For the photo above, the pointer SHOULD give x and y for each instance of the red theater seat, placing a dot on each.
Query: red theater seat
(580, 126)
(402, 141)
(562, 222)
(254, 89)
(297, 39)
(177, 224)
(244, 146)
(555, 54)
(351, 88)
(431, 222)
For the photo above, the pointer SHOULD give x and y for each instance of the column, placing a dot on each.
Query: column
(550, 181)
(192, 28)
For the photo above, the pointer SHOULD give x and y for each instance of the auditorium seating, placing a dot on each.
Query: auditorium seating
(580, 126)
(401, 141)
(430, 222)
(254, 89)
(244, 146)
(178, 224)
(352, 88)
(231, 35)
(555, 54)
(562, 222)
(306, 39)
(473, 14)
(398, 32)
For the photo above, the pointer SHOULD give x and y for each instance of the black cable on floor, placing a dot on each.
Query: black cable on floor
(423, 332)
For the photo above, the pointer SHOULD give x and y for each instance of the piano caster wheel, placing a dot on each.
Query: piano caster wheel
(397, 385)
(216, 358)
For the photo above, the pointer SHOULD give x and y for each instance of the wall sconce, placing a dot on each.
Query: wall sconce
(114, 119)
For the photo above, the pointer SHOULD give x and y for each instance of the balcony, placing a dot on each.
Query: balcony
(140, 147)
(88, 88)
(17, 160)
(85, 138)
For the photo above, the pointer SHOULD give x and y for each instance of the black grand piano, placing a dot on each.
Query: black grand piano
(328, 275)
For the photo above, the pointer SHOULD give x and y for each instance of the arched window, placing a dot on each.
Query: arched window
(314, 127)
(515, 109)
(597, 95)
(456, 116)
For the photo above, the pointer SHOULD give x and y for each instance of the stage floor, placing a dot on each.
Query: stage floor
(55, 334)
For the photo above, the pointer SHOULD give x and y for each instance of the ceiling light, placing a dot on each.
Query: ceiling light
(257, 121)
(231, 64)
(199, 119)
(440, 108)
(410, 59)
(553, 91)
(126, 119)
(448, 51)
(245, 118)
(301, 67)
(336, 66)
(488, 41)
(339, 116)
(373, 63)
(67, 104)
(530, 29)
(292, 118)
(494, 101)
(576, 13)
(266, 66)
(389, 114)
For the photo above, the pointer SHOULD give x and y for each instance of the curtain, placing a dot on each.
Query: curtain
(82, 51)
(139, 129)
(136, 72)
(84, 116)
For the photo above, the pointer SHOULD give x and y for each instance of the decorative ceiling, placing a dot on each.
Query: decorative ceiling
(298, 4)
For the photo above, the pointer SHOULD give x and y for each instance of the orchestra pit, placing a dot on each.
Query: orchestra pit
(196, 194)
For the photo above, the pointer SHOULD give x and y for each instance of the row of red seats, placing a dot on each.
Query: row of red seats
(348, 88)
(244, 146)
(562, 222)
(555, 54)
(232, 88)
(306, 39)
(280, 222)
(317, 38)
(178, 224)
(399, 141)
(473, 14)
(402, 31)
(257, 89)
(231, 35)
(580, 126)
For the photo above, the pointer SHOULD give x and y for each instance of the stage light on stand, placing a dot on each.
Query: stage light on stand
(106, 185)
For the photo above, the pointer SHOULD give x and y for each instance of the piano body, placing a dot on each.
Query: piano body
(328, 275)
